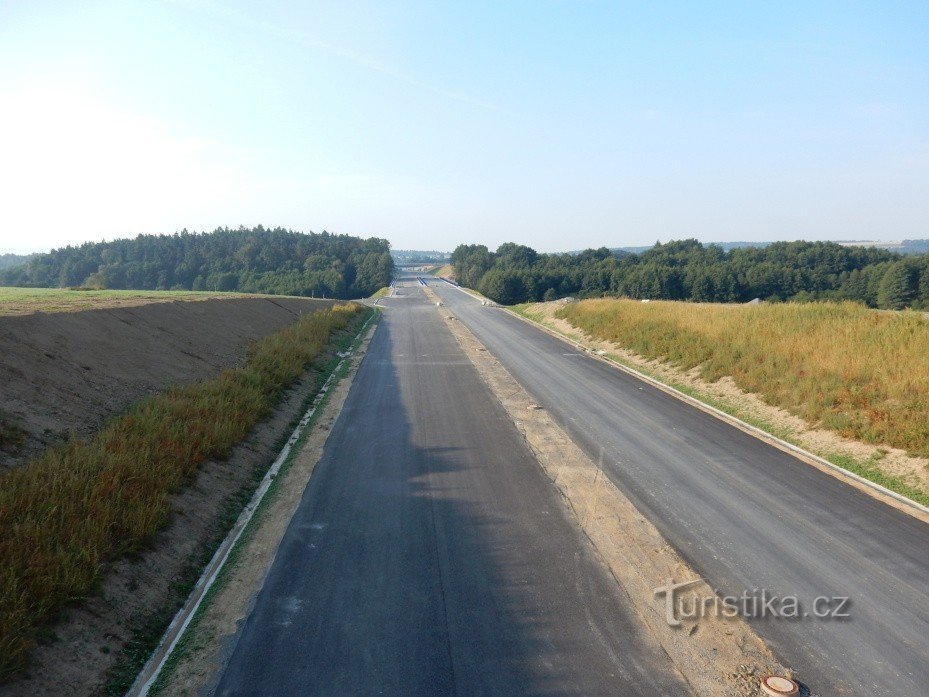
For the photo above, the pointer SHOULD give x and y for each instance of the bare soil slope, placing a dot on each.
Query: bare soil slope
(63, 375)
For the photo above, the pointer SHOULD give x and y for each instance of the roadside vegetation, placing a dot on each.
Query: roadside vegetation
(65, 515)
(11, 433)
(446, 271)
(689, 270)
(860, 372)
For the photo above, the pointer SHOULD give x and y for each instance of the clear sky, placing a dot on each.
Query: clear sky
(560, 124)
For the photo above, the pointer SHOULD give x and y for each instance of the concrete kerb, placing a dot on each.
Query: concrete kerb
(152, 668)
(914, 508)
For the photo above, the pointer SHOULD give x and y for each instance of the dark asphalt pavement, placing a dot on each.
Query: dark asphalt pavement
(431, 556)
(745, 514)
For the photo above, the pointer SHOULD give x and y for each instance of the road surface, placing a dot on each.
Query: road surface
(745, 514)
(431, 556)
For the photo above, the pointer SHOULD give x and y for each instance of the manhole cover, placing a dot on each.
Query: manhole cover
(778, 686)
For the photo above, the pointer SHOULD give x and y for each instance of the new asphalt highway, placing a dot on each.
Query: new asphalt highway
(750, 518)
(431, 556)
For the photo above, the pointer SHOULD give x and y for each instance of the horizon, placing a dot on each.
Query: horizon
(491, 246)
(872, 242)
(611, 125)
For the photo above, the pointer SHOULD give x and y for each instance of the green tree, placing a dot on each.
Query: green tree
(505, 286)
(898, 287)
(250, 259)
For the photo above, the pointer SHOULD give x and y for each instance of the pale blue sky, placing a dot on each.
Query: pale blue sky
(560, 124)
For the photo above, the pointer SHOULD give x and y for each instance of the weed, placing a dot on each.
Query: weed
(65, 515)
(12, 434)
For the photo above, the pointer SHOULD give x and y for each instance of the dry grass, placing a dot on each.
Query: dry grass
(27, 301)
(444, 271)
(66, 514)
(860, 372)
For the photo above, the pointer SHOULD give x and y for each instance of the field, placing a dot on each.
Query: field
(859, 372)
(66, 514)
(25, 301)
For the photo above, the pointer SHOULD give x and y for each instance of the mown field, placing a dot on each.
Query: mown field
(66, 514)
(24, 301)
(861, 372)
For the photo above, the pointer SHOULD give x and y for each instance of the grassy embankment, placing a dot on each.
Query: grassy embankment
(194, 638)
(66, 514)
(445, 271)
(861, 373)
(380, 293)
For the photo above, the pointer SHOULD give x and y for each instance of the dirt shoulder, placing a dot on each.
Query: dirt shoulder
(65, 374)
(717, 656)
(874, 462)
(203, 651)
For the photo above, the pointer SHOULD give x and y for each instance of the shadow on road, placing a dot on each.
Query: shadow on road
(430, 556)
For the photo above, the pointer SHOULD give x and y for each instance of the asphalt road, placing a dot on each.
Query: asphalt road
(431, 556)
(746, 515)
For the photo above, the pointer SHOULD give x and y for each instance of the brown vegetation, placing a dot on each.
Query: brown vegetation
(860, 372)
(80, 505)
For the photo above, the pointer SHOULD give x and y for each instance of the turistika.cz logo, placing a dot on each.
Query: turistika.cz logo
(684, 603)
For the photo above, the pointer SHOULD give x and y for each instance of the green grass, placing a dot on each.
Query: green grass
(64, 516)
(380, 293)
(870, 471)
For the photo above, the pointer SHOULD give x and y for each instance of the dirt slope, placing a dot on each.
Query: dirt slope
(62, 375)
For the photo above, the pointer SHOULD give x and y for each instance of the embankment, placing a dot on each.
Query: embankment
(161, 481)
(63, 375)
(844, 382)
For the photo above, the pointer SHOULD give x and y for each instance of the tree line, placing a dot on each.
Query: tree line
(689, 270)
(248, 260)
(9, 260)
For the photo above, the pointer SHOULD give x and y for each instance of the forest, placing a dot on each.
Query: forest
(690, 270)
(10, 260)
(248, 260)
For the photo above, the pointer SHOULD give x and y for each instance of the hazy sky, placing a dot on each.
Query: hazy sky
(559, 124)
